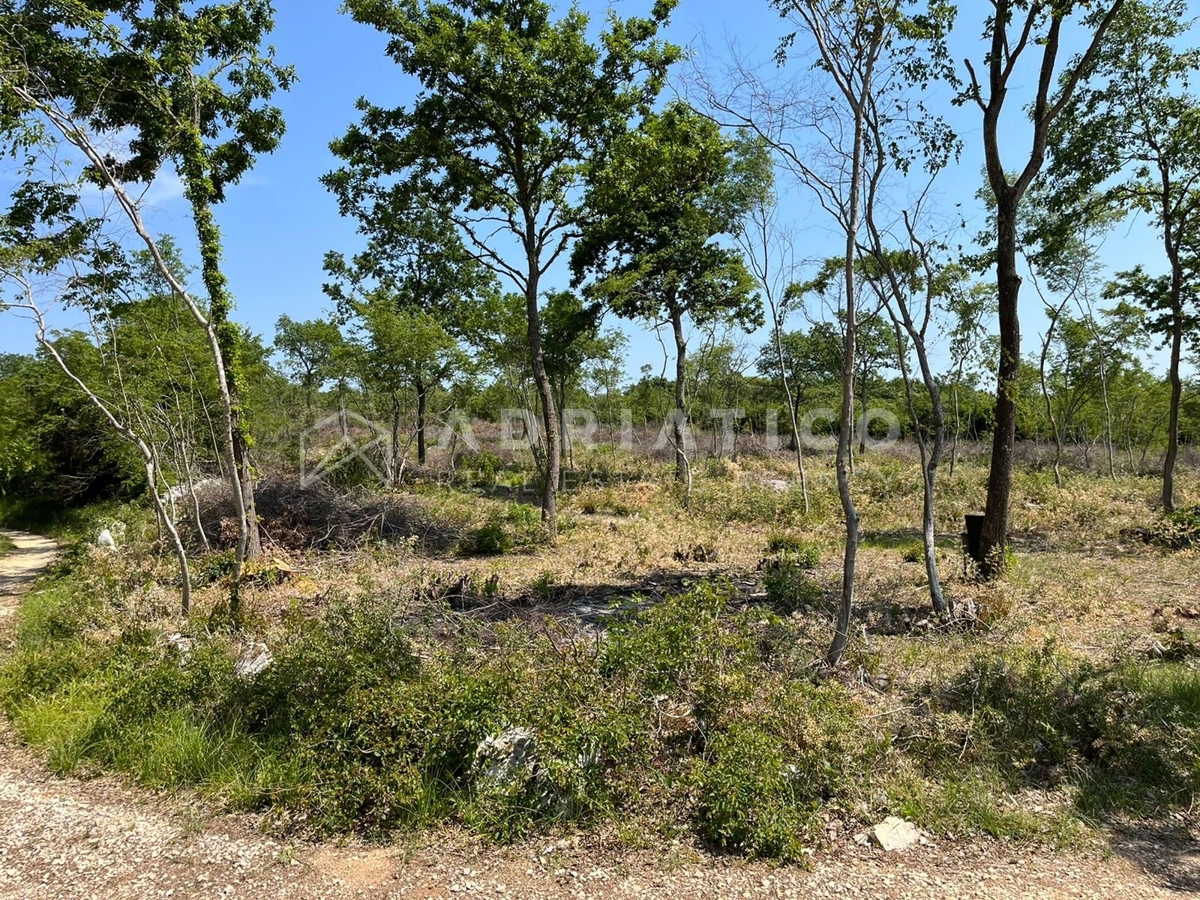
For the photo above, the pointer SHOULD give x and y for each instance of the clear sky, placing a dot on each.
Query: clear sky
(280, 221)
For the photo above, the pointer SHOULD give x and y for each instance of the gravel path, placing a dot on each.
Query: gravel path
(64, 839)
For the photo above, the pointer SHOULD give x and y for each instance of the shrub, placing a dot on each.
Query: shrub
(1127, 736)
(805, 554)
(489, 539)
(765, 775)
(789, 587)
(1178, 530)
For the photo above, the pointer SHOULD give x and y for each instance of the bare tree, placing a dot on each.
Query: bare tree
(911, 284)
(78, 135)
(769, 257)
(818, 126)
(27, 302)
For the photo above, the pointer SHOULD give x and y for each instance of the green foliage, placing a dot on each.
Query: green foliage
(806, 554)
(693, 714)
(1125, 738)
(658, 202)
(489, 539)
(763, 780)
(1178, 530)
(310, 351)
(788, 585)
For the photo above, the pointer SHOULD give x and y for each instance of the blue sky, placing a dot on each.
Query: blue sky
(280, 221)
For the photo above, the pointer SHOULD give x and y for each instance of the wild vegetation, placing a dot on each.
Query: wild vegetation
(444, 555)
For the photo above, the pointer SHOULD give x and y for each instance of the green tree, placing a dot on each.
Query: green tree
(399, 346)
(188, 85)
(658, 205)
(811, 359)
(1136, 133)
(1013, 29)
(310, 352)
(414, 259)
(513, 103)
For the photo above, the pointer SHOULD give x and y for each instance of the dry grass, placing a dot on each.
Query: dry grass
(1082, 578)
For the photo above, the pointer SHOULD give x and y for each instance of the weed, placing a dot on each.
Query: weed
(489, 539)
(804, 554)
(789, 587)
(1176, 531)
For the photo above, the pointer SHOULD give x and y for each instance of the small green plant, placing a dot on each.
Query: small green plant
(6, 545)
(212, 567)
(486, 465)
(789, 587)
(717, 467)
(804, 554)
(490, 539)
(763, 778)
(1178, 530)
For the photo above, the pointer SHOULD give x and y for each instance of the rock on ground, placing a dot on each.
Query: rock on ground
(894, 834)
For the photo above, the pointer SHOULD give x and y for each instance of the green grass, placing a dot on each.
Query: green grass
(6, 545)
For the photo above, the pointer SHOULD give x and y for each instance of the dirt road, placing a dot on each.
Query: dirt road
(19, 567)
(65, 839)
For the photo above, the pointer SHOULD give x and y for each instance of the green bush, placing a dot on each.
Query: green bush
(764, 777)
(1178, 530)
(1127, 737)
(805, 554)
(695, 715)
(789, 586)
(489, 539)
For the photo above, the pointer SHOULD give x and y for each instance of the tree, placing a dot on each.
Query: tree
(187, 85)
(309, 350)
(877, 347)
(1013, 29)
(658, 204)
(423, 267)
(769, 254)
(570, 339)
(819, 130)
(513, 104)
(1139, 126)
(403, 346)
(1172, 307)
(50, 250)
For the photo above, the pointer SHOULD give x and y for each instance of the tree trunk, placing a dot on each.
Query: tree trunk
(793, 405)
(931, 459)
(1167, 215)
(225, 336)
(1168, 487)
(1058, 444)
(394, 463)
(957, 428)
(994, 537)
(148, 457)
(422, 401)
(241, 454)
(682, 469)
(862, 432)
(841, 633)
(553, 459)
